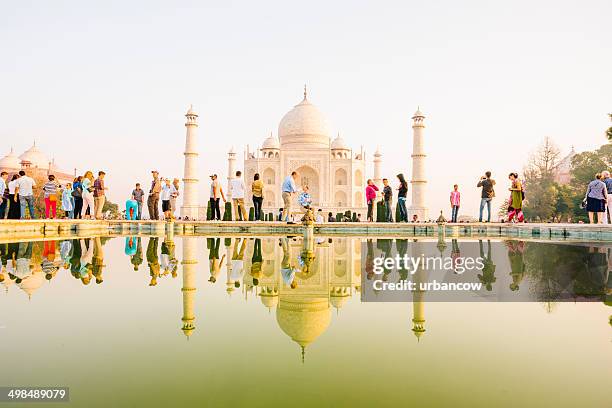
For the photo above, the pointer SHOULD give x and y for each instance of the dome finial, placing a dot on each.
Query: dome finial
(305, 92)
(303, 353)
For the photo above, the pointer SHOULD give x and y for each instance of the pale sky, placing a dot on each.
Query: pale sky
(105, 85)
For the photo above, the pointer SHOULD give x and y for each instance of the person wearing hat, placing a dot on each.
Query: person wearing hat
(153, 199)
(216, 194)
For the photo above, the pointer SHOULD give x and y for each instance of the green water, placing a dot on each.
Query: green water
(167, 336)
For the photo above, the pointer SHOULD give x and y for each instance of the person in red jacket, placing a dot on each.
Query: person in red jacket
(371, 190)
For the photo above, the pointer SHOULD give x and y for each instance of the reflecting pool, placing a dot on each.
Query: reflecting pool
(278, 321)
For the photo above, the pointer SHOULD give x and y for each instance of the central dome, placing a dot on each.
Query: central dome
(304, 126)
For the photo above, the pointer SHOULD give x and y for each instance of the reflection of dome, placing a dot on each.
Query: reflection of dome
(269, 301)
(35, 157)
(303, 319)
(31, 283)
(10, 161)
(339, 143)
(304, 125)
(271, 143)
(339, 296)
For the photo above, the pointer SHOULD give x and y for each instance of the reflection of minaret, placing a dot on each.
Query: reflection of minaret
(190, 175)
(189, 287)
(418, 295)
(228, 256)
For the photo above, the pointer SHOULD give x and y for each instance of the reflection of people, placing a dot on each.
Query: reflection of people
(75, 259)
(136, 259)
(213, 258)
(66, 252)
(369, 261)
(517, 263)
(48, 265)
(287, 271)
(153, 260)
(593, 279)
(487, 277)
(85, 264)
(98, 260)
(256, 262)
(238, 261)
(23, 267)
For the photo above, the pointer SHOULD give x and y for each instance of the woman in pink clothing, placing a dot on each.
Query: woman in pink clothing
(371, 190)
(455, 202)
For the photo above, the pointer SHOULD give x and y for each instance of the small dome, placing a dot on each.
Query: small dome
(35, 157)
(191, 112)
(269, 301)
(54, 168)
(418, 114)
(271, 142)
(304, 125)
(339, 143)
(10, 161)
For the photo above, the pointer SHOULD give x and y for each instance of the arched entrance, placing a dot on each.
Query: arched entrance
(309, 177)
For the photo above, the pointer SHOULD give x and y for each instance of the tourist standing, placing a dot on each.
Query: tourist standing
(237, 194)
(257, 190)
(77, 194)
(14, 209)
(608, 182)
(138, 196)
(371, 190)
(320, 218)
(487, 183)
(515, 204)
(388, 198)
(25, 189)
(330, 217)
(99, 196)
(166, 194)
(88, 197)
(153, 199)
(173, 196)
(67, 200)
(455, 202)
(50, 193)
(3, 194)
(305, 199)
(216, 194)
(596, 199)
(401, 198)
(289, 188)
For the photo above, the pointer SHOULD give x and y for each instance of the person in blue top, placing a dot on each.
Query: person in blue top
(289, 188)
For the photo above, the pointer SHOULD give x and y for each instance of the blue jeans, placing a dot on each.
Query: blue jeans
(388, 210)
(70, 214)
(3, 207)
(484, 201)
(401, 201)
(27, 201)
(455, 212)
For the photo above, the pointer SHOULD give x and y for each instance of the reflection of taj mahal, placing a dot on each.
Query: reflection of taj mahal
(334, 173)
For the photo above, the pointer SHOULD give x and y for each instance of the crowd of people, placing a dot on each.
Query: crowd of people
(84, 198)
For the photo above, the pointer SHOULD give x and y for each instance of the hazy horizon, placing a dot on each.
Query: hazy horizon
(106, 86)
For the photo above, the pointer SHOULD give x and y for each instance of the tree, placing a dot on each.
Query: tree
(609, 131)
(540, 186)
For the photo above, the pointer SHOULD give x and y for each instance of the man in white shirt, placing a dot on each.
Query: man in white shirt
(237, 194)
(3, 199)
(320, 218)
(25, 189)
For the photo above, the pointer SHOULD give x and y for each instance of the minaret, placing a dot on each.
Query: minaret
(190, 249)
(418, 181)
(231, 171)
(377, 170)
(190, 176)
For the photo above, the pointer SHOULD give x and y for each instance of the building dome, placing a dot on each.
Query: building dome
(10, 161)
(304, 126)
(269, 301)
(303, 319)
(271, 142)
(339, 143)
(35, 157)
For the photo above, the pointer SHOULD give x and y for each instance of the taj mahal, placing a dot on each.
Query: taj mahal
(334, 173)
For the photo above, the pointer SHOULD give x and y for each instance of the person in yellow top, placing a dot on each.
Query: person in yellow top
(257, 189)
